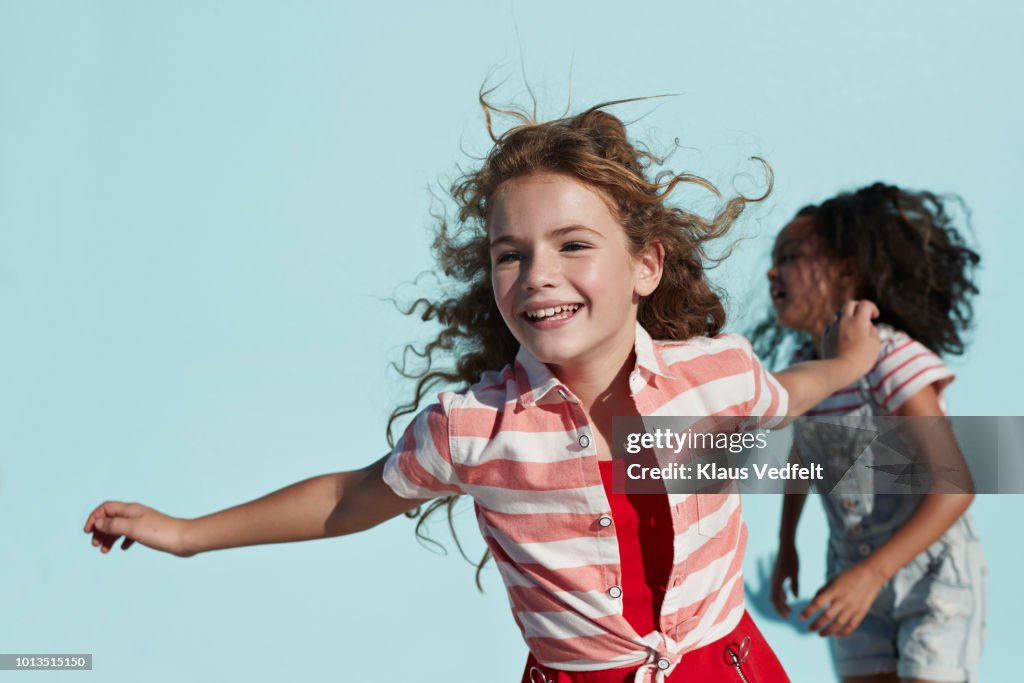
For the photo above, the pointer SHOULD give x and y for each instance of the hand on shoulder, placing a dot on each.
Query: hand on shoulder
(852, 336)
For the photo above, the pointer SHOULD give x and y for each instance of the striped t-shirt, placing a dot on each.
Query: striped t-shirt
(904, 367)
(521, 445)
(862, 506)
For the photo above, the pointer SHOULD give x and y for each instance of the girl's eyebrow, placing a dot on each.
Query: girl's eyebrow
(558, 232)
(575, 228)
(784, 245)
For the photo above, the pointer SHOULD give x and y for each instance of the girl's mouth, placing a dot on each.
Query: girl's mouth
(778, 295)
(552, 316)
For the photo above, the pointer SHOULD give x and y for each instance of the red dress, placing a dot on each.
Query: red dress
(643, 527)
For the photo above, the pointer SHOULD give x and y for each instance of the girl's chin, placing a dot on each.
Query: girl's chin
(789, 324)
(554, 356)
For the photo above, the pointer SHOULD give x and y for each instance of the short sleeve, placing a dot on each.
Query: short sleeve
(905, 367)
(420, 465)
(769, 400)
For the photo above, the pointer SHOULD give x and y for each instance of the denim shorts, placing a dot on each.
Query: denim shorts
(928, 621)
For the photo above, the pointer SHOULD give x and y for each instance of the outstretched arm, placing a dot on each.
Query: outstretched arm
(324, 506)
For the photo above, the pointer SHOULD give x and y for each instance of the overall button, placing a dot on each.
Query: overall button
(663, 663)
(615, 592)
(605, 521)
(584, 441)
(849, 503)
(857, 528)
(864, 549)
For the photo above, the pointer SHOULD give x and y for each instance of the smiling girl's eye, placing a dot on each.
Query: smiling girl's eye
(575, 246)
(508, 257)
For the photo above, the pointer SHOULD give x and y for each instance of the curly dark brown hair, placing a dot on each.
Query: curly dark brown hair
(907, 256)
(593, 148)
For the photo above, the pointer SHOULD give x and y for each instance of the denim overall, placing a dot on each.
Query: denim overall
(928, 620)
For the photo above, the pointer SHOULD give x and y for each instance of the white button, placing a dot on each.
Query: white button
(663, 663)
(635, 382)
(605, 521)
(864, 549)
(584, 441)
(615, 592)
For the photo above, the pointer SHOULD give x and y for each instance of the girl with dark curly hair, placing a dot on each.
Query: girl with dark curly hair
(906, 576)
(566, 264)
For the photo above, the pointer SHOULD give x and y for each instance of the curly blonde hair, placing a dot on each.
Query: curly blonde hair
(593, 148)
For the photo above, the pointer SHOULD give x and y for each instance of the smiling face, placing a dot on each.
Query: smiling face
(564, 277)
(806, 286)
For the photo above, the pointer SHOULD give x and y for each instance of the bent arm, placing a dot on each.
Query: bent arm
(938, 509)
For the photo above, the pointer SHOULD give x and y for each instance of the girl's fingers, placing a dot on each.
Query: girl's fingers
(115, 526)
(819, 601)
(826, 617)
(779, 598)
(860, 308)
(838, 622)
(111, 521)
(106, 509)
(867, 309)
(106, 533)
(106, 541)
(845, 626)
(853, 623)
(847, 629)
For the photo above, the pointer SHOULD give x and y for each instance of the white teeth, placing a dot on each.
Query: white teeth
(542, 313)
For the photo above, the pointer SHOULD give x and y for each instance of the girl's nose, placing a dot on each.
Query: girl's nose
(773, 273)
(542, 271)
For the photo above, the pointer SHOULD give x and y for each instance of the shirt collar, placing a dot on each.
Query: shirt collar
(536, 380)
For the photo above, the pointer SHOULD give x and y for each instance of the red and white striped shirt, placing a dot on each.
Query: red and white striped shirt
(904, 367)
(521, 445)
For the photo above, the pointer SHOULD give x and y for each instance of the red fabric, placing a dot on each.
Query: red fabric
(643, 527)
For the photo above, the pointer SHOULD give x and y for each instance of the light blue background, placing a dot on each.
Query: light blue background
(202, 205)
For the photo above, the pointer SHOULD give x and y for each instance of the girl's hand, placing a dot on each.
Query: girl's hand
(845, 599)
(113, 519)
(852, 337)
(787, 566)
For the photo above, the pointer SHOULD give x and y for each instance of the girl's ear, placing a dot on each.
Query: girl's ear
(649, 264)
(847, 279)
